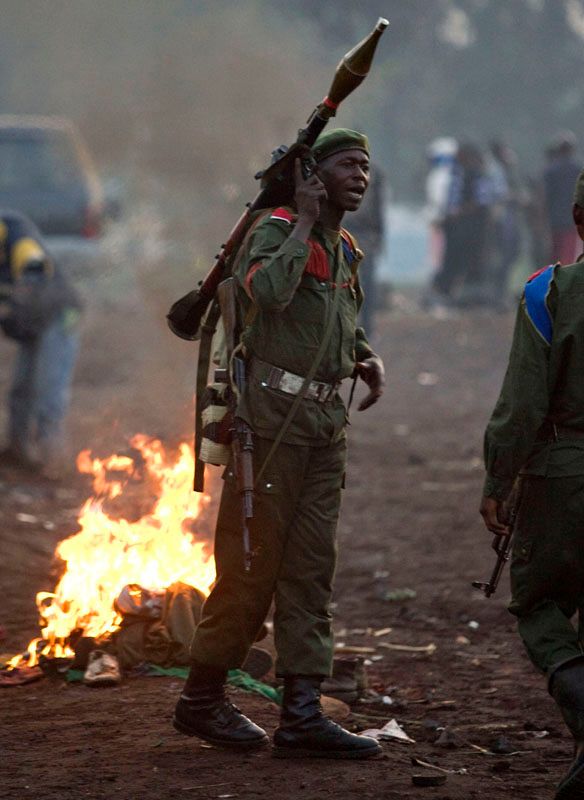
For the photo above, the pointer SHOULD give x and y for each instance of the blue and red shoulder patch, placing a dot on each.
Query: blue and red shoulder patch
(349, 246)
(537, 290)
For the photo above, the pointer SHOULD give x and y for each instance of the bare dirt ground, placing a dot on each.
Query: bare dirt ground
(409, 521)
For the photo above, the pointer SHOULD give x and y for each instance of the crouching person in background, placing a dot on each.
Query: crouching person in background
(39, 310)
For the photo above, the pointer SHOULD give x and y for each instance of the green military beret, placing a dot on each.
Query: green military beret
(336, 141)
(579, 190)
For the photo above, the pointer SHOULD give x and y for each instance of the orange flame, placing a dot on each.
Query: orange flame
(108, 553)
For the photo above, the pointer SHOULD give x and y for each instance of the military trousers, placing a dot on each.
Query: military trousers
(293, 538)
(547, 569)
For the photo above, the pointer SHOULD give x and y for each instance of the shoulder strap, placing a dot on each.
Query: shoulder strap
(308, 379)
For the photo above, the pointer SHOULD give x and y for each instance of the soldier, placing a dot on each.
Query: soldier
(537, 430)
(558, 178)
(299, 290)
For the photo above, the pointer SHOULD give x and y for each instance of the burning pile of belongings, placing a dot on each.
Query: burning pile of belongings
(140, 528)
(143, 527)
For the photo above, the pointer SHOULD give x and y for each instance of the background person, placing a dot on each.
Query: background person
(461, 277)
(441, 154)
(39, 310)
(559, 177)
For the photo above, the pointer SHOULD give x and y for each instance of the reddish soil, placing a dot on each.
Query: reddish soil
(409, 521)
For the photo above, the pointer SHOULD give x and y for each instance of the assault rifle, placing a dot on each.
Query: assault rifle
(277, 183)
(502, 546)
(241, 433)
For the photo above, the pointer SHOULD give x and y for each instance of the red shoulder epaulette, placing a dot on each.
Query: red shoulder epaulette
(283, 214)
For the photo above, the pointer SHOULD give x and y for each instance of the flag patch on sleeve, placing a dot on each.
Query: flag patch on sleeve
(537, 289)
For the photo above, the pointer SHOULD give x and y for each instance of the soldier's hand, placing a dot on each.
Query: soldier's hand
(308, 194)
(372, 371)
(493, 513)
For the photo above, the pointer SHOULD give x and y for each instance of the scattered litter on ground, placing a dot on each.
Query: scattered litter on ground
(354, 649)
(417, 762)
(408, 648)
(473, 625)
(29, 518)
(534, 734)
(382, 632)
(20, 676)
(486, 752)
(429, 778)
(462, 640)
(447, 739)
(391, 730)
(400, 594)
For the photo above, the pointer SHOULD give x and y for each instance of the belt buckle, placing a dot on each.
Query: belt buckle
(332, 388)
(274, 377)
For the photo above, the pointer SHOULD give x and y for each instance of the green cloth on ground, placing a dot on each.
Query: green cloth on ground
(235, 677)
(241, 680)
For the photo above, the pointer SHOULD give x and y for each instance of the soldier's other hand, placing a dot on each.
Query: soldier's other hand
(309, 193)
(493, 513)
(372, 371)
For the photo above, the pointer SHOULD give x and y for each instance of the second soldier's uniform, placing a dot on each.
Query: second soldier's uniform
(536, 432)
(537, 428)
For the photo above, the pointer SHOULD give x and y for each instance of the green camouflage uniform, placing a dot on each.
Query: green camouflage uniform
(536, 431)
(297, 501)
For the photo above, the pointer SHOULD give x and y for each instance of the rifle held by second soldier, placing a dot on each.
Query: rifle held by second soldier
(502, 546)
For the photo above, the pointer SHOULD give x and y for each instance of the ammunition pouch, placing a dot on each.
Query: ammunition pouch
(217, 425)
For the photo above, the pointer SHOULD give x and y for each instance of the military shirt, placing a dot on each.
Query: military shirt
(543, 384)
(285, 290)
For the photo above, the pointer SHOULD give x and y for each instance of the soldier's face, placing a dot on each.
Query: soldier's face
(346, 178)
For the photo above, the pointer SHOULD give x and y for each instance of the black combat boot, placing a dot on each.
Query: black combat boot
(304, 730)
(566, 686)
(203, 710)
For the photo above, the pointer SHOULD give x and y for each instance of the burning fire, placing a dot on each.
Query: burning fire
(108, 553)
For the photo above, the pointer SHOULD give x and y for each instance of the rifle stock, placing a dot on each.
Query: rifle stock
(242, 435)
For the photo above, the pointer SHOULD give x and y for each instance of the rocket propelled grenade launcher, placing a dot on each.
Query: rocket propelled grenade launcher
(185, 316)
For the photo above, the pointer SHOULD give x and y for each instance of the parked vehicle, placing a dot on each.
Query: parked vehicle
(46, 172)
